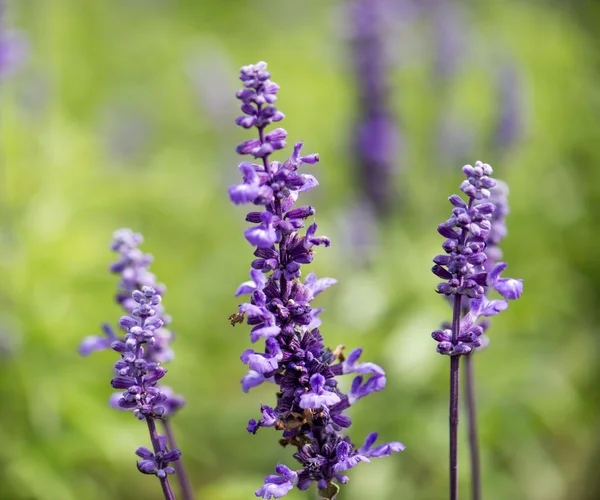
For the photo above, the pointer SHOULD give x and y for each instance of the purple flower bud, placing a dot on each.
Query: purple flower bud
(300, 212)
(126, 322)
(245, 121)
(457, 201)
(245, 94)
(276, 135)
(442, 336)
(448, 232)
(247, 147)
(123, 382)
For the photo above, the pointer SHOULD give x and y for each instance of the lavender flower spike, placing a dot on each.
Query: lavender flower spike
(309, 407)
(462, 268)
(138, 377)
(132, 268)
(469, 266)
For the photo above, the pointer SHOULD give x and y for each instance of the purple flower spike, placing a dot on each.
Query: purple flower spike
(470, 270)
(310, 405)
(143, 349)
(132, 268)
(138, 377)
(470, 266)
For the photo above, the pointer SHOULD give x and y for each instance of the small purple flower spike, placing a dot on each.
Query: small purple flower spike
(137, 377)
(470, 272)
(144, 348)
(310, 405)
(472, 234)
(132, 268)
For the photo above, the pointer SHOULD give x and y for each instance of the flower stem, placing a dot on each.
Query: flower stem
(184, 480)
(164, 481)
(472, 425)
(454, 390)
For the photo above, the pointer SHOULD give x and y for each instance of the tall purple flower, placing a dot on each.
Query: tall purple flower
(468, 232)
(310, 405)
(147, 349)
(137, 376)
(132, 268)
(376, 133)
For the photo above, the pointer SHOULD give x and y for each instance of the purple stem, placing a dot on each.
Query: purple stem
(184, 480)
(454, 390)
(472, 426)
(164, 481)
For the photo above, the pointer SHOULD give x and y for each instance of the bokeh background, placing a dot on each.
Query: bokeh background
(119, 113)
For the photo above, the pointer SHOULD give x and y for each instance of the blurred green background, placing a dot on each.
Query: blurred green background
(122, 116)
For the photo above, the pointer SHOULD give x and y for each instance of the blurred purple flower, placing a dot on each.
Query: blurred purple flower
(376, 135)
(132, 267)
(450, 31)
(510, 125)
(13, 48)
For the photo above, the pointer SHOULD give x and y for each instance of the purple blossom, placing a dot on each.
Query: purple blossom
(132, 267)
(350, 366)
(318, 397)
(310, 405)
(264, 235)
(137, 376)
(468, 272)
(469, 266)
(509, 288)
(383, 450)
(278, 486)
